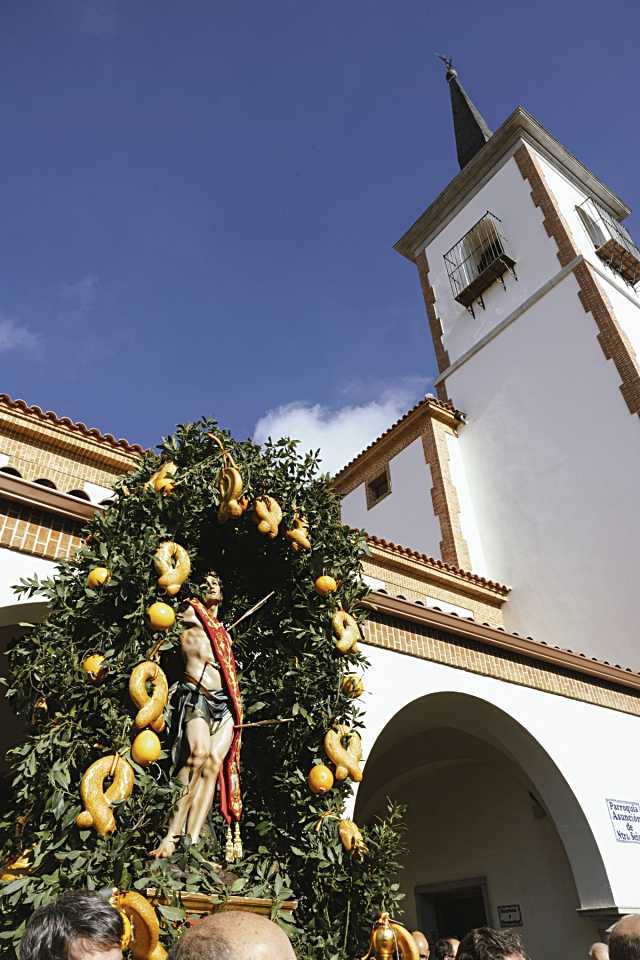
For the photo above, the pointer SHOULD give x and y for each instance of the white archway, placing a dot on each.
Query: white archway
(397, 750)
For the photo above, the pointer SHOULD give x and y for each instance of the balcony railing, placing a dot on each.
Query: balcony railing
(477, 260)
(612, 242)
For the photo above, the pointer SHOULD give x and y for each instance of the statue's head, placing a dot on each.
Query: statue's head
(212, 588)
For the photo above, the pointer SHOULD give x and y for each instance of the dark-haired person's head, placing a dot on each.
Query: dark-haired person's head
(624, 939)
(236, 935)
(79, 925)
(445, 948)
(487, 944)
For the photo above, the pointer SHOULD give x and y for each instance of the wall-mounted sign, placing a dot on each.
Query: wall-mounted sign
(625, 817)
(510, 915)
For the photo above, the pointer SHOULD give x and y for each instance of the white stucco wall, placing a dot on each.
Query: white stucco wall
(406, 515)
(507, 196)
(475, 819)
(468, 521)
(626, 308)
(623, 298)
(14, 567)
(569, 736)
(552, 457)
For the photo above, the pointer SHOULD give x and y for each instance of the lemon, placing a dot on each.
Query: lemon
(320, 779)
(94, 667)
(325, 585)
(352, 685)
(97, 577)
(161, 616)
(146, 748)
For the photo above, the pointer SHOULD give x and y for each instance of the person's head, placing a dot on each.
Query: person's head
(598, 951)
(212, 588)
(79, 925)
(421, 943)
(444, 948)
(624, 939)
(486, 944)
(235, 935)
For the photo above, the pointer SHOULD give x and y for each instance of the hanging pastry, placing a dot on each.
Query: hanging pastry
(173, 566)
(346, 632)
(150, 706)
(345, 757)
(298, 535)
(267, 514)
(98, 801)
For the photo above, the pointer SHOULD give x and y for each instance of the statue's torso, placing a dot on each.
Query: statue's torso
(199, 663)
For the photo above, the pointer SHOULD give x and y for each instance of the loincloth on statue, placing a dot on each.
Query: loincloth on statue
(189, 701)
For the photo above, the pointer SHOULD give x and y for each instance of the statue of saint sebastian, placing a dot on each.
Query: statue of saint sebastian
(205, 726)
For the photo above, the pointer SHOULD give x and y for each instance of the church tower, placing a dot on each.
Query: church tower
(529, 280)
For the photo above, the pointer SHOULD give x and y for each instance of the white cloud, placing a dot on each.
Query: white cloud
(15, 336)
(339, 433)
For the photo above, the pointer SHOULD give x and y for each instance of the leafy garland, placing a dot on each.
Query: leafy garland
(289, 667)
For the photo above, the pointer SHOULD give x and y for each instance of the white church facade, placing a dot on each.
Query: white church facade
(503, 697)
(511, 740)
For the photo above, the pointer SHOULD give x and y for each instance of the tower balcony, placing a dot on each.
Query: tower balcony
(476, 261)
(613, 244)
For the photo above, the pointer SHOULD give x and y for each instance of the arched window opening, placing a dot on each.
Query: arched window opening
(46, 483)
(11, 472)
(80, 494)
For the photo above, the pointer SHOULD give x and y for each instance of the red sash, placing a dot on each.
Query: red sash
(229, 779)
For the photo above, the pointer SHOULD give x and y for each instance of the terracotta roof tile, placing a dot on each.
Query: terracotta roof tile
(511, 633)
(82, 428)
(432, 561)
(428, 400)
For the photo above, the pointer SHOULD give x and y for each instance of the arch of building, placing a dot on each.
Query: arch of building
(513, 766)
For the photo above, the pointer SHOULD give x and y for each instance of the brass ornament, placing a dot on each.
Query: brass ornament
(267, 514)
(390, 940)
(97, 800)
(173, 566)
(352, 685)
(352, 839)
(150, 706)
(298, 535)
(346, 758)
(144, 930)
(346, 632)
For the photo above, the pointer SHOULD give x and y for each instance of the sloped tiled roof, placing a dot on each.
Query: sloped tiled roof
(428, 401)
(441, 564)
(90, 432)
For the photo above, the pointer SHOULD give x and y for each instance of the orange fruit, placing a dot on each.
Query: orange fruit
(320, 779)
(97, 577)
(325, 585)
(94, 667)
(146, 748)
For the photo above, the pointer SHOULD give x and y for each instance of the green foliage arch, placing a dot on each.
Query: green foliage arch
(289, 668)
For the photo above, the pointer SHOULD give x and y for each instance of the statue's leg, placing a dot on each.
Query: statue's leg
(198, 740)
(219, 744)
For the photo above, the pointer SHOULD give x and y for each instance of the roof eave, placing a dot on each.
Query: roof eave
(520, 124)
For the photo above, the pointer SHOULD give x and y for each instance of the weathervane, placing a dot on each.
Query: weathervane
(448, 61)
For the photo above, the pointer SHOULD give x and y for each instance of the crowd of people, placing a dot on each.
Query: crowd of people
(82, 925)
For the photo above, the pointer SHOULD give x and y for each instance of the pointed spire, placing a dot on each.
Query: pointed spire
(470, 127)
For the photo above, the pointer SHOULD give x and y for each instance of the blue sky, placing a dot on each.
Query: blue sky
(199, 199)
